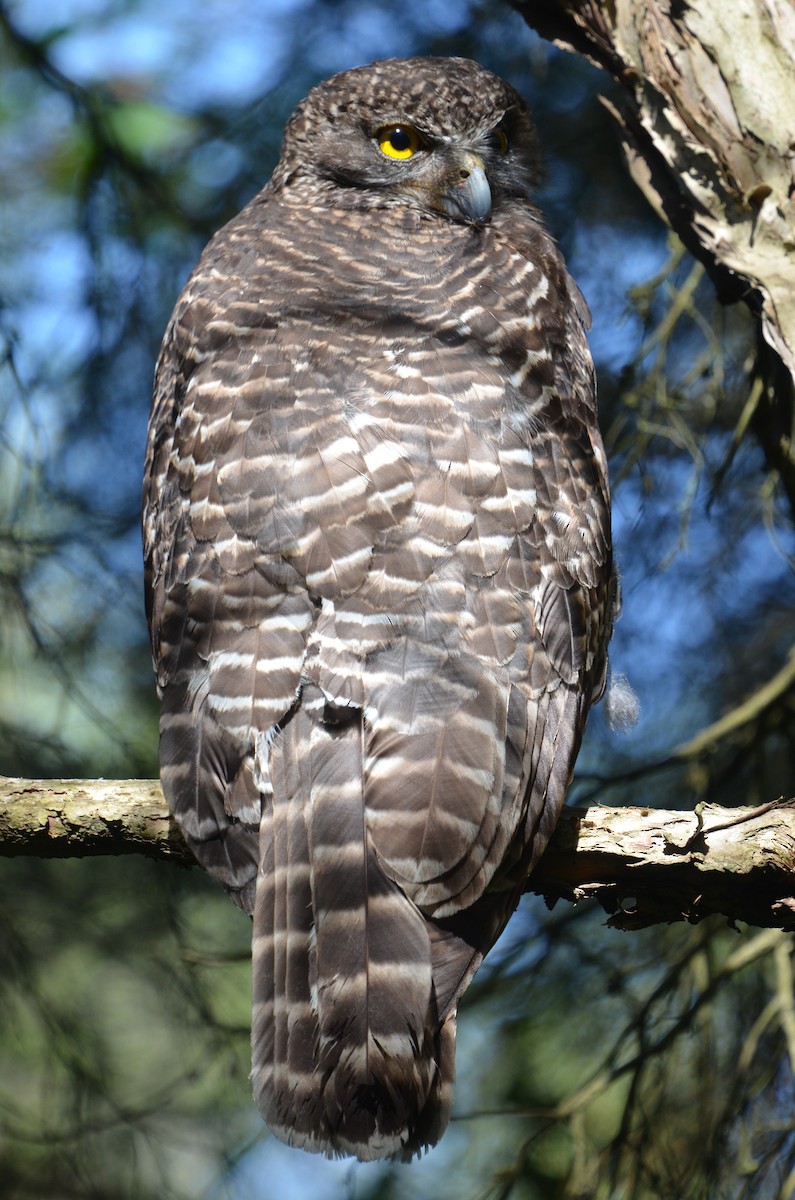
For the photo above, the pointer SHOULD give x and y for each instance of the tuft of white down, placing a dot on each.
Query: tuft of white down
(622, 706)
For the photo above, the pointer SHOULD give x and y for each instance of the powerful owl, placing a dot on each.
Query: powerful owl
(379, 580)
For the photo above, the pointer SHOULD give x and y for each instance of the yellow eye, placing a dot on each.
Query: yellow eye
(500, 139)
(398, 141)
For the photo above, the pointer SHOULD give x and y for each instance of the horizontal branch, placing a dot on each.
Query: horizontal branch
(73, 818)
(645, 866)
(648, 866)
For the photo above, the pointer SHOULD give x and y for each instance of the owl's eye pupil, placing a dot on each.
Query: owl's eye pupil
(401, 140)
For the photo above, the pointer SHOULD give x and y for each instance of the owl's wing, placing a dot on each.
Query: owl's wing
(228, 639)
(540, 604)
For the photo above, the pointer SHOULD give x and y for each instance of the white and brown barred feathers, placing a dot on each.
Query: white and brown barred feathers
(379, 581)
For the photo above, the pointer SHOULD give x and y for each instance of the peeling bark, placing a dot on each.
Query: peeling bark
(707, 121)
(645, 866)
(707, 124)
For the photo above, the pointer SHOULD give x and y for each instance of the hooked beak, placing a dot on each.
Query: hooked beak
(467, 195)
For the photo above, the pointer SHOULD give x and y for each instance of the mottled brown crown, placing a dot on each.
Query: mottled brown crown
(461, 104)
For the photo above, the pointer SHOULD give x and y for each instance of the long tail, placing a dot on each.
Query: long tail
(349, 1053)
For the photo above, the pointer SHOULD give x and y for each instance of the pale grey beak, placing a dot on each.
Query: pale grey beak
(468, 197)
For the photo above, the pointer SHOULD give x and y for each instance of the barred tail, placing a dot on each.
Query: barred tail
(348, 1053)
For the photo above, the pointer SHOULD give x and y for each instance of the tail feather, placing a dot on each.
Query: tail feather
(349, 1053)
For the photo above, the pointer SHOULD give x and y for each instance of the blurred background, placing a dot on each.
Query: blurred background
(591, 1063)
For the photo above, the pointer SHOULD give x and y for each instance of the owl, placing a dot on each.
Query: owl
(379, 580)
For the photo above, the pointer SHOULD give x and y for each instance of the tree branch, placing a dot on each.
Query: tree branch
(644, 866)
(74, 818)
(703, 86)
(650, 866)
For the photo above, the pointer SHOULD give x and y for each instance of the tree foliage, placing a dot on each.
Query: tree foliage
(648, 1065)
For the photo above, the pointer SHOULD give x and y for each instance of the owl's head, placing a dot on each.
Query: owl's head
(442, 135)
